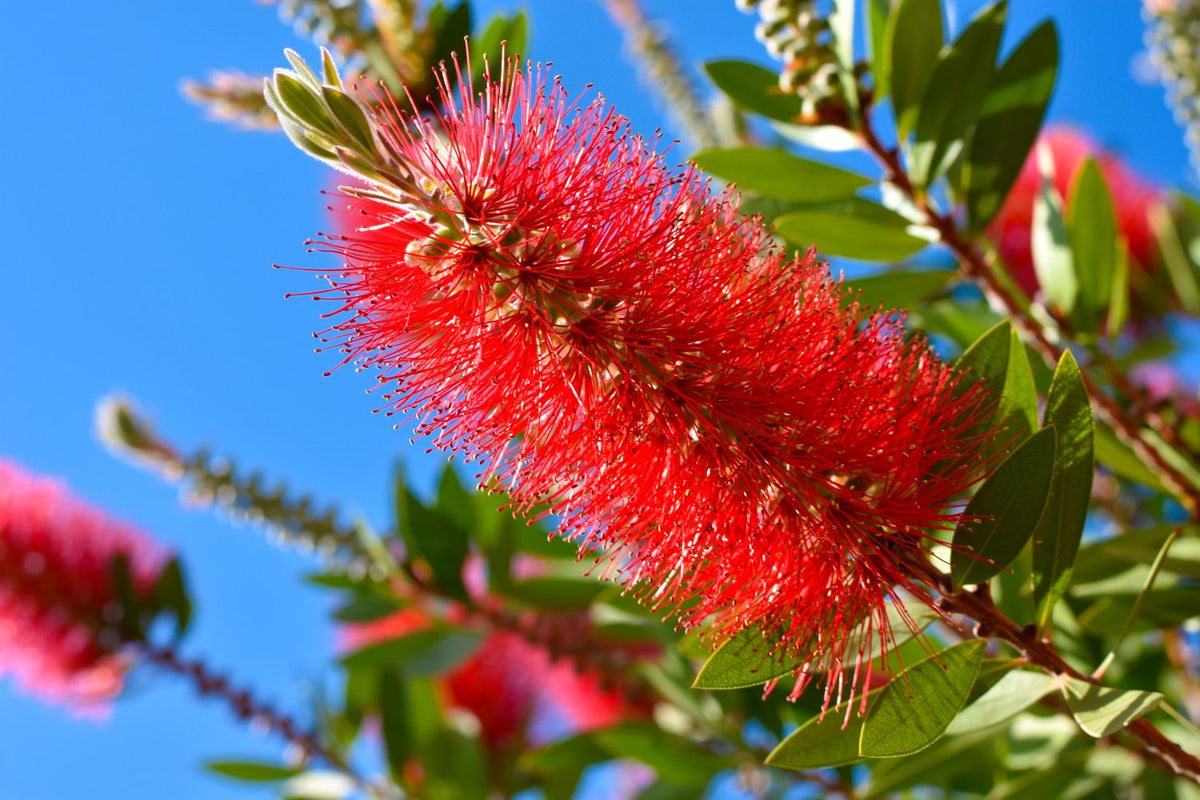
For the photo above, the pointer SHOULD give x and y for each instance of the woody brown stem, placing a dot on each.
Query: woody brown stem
(1150, 743)
(249, 708)
(976, 266)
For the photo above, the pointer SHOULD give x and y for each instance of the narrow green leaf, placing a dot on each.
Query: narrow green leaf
(171, 596)
(754, 88)
(350, 116)
(912, 42)
(1012, 694)
(557, 593)
(367, 608)
(394, 651)
(1101, 711)
(1004, 512)
(987, 359)
(828, 740)
(955, 94)
(672, 757)
(841, 26)
(251, 771)
(777, 173)
(1118, 308)
(304, 105)
(1008, 123)
(1019, 401)
(432, 535)
(748, 659)
(398, 739)
(1052, 261)
(454, 501)
(1180, 266)
(915, 708)
(450, 27)
(1116, 455)
(854, 228)
(878, 55)
(1092, 231)
(899, 288)
(1056, 540)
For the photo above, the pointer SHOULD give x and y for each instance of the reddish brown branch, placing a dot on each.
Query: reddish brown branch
(975, 265)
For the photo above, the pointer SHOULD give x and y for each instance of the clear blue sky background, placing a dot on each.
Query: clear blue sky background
(138, 245)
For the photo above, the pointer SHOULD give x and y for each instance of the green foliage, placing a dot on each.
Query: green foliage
(915, 708)
(956, 90)
(1102, 712)
(1056, 539)
(434, 534)
(853, 228)
(777, 173)
(251, 771)
(1004, 512)
(910, 50)
(1008, 123)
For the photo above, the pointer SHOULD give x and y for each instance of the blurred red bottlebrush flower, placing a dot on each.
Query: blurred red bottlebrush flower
(619, 346)
(1133, 201)
(512, 686)
(58, 598)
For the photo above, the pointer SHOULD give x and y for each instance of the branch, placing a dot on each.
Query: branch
(976, 266)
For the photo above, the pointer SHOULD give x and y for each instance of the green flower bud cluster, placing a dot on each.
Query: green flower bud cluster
(797, 32)
(1173, 38)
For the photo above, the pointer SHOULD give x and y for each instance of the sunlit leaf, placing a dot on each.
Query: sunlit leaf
(777, 173)
(1102, 711)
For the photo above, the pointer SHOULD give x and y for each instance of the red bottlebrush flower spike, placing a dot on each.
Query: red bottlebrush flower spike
(512, 686)
(1133, 199)
(619, 346)
(58, 598)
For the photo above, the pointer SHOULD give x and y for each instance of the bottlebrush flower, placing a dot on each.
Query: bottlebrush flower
(58, 599)
(1133, 199)
(512, 686)
(618, 345)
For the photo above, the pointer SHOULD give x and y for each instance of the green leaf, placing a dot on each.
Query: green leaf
(1008, 124)
(826, 740)
(900, 288)
(1056, 540)
(423, 651)
(911, 44)
(854, 228)
(450, 27)
(1180, 266)
(1052, 261)
(567, 755)
(878, 56)
(955, 94)
(171, 596)
(754, 88)
(1004, 512)
(557, 594)
(434, 536)
(777, 173)
(398, 740)
(1118, 308)
(1101, 711)
(748, 659)
(1116, 455)
(1092, 231)
(251, 771)
(987, 359)
(841, 26)
(367, 608)
(915, 708)
(1012, 694)
(1161, 609)
(303, 104)
(350, 116)
(1019, 401)
(511, 31)
(674, 759)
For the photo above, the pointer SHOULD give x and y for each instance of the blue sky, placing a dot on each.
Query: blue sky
(138, 258)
